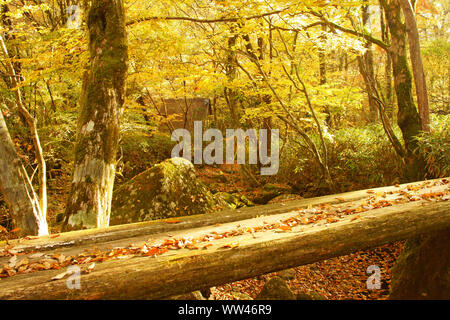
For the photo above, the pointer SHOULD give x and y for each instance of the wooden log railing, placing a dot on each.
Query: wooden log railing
(195, 252)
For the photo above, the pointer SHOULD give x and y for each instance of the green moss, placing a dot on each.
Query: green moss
(169, 189)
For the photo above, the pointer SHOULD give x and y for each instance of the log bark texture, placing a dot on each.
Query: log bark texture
(181, 271)
(115, 233)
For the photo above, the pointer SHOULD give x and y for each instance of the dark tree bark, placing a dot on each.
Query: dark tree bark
(408, 117)
(89, 202)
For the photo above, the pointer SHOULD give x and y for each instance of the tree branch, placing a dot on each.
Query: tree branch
(197, 20)
(366, 36)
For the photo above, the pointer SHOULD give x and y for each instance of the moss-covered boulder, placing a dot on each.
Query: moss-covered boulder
(288, 274)
(169, 189)
(276, 289)
(271, 191)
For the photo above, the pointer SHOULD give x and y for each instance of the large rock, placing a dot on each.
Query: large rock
(240, 295)
(271, 191)
(169, 189)
(288, 274)
(276, 289)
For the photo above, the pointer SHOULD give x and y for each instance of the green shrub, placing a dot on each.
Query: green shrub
(365, 155)
(358, 158)
(140, 150)
(436, 59)
(362, 157)
(58, 140)
(435, 147)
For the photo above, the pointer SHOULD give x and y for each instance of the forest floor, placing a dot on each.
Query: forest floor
(340, 278)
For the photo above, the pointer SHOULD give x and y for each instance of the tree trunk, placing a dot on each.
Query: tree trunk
(408, 117)
(17, 190)
(373, 92)
(368, 63)
(416, 62)
(387, 69)
(323, 73)
(89, 202)
(231, 94)
(322, 61)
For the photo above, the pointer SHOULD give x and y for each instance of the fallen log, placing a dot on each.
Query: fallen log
(93, 236)
(186, 270)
